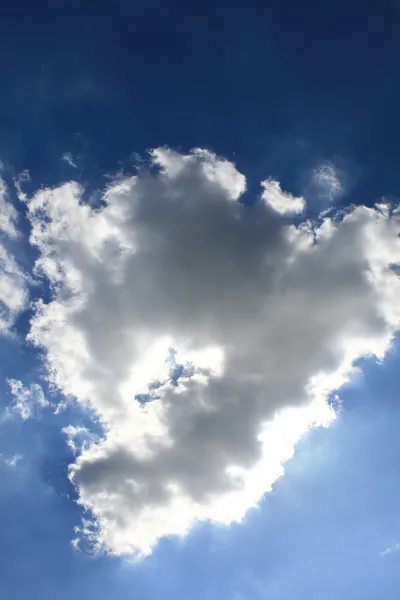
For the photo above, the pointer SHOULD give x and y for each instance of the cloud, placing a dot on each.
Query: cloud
(11, 461)
(205, 335)
(390, 550)
(221, 172)
(27, 401)
(78, 437)
(327, 181)
(13, 290)
(13, 281)
(19, 181)
(280, 201)
(69, 159)
(8, 214)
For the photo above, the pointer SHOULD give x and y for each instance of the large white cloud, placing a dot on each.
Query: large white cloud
(205, 334)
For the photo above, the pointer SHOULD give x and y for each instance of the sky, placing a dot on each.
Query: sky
(199, 300)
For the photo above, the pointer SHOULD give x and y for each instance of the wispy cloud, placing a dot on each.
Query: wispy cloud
(11, 461)
(391, 550)
(327, 181)
(27, 401)
(13, 280)
(69, 159)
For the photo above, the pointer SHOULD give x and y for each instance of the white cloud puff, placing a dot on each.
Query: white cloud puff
(205, 334)
(280, 201)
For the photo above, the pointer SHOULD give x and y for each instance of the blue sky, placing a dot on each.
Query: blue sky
(304, 95)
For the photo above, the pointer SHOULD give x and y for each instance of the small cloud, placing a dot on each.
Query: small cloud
(12, 461)
(280, 201)
(78, 437)
(75, 544)
(327, 181)
(390, 550)
(13, 290)
(8, 214)
(87, 537)
(69, 159)
(23, 177)
(27, 400)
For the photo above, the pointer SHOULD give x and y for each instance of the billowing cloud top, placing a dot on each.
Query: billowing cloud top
(205, 334)
(280, 201)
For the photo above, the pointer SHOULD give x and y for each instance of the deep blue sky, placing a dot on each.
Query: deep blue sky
(280, 84)
(279, 87)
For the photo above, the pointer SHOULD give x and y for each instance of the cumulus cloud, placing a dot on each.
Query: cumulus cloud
(206, 335)
(221, 172)
(13, 282)
(280, 201)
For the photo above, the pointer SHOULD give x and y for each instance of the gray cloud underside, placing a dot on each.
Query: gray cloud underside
(263, 315)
